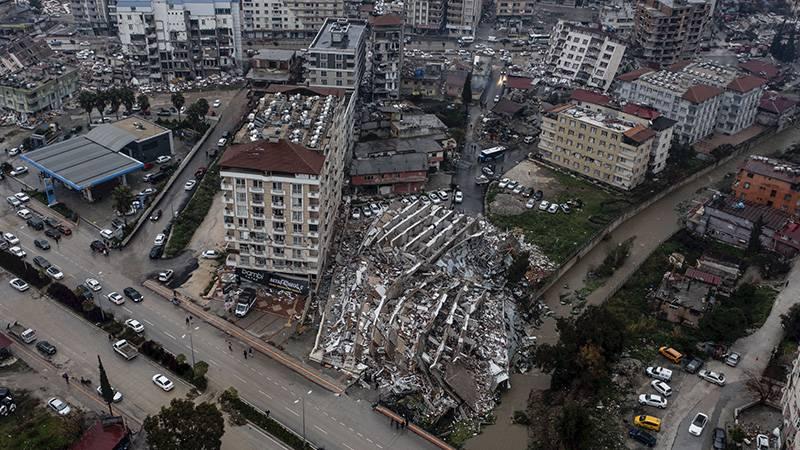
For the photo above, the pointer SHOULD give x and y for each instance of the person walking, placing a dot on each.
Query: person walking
(245, 354)
(230, 348)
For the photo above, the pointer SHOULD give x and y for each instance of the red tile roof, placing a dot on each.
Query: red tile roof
(281, 156)
(746, 83)
(701, 93)
(761, 68)
(514, 82)
(635, 74)
(776, 104)
(385, 20)
(705, 277)
(640, 133)
(645, 112)
(99, 437)
(583, 95)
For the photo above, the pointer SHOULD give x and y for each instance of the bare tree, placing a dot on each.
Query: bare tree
(761, 387)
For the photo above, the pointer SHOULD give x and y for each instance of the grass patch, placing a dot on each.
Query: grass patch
(462, 431)
(33, 426)
(194, 213)
(560, 235)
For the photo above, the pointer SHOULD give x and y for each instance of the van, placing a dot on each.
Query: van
(648, 422)
(467, 39)
(671, 354)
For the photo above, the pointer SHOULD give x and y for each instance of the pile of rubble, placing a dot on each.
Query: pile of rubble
(419, 305)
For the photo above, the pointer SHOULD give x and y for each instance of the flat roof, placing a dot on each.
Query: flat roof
(352, 29)
(140, 128)
(81, 162)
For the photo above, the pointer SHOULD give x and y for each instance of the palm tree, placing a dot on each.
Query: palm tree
(100, 102)
(86, 100)
(114, 97)
(127, 97)
(122, 199)
(178, 101)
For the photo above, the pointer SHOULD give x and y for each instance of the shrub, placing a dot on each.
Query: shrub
(193, 214)
(23, 270)
(231, 402)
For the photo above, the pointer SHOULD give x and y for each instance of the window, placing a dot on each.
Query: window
(297, 240)
(297, 227)
(297, 203)
(241, 197)
(297, 216)
(277, 186)
(241, 182)
(297, 188)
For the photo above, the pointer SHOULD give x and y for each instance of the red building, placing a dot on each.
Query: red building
(390, 174)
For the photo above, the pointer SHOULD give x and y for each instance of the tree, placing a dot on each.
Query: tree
(761, 387)
(127, 97)
(86, 100)
(100, 102)
(791, 322)
(178, 101)
(183, 425)
(466, 93)
(202, 107)
(105, 387)
(122, 197)
(575, 427)
(144, 102)
(114, 97)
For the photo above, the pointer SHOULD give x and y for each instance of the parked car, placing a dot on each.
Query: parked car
(115, 298)
(163, 159)
(24, 213)
(720, 439)
(46, 348)
(531, 203)
(553, 208)
(134, 325)
(189, 185)
(18, 252)
(57, 405)
(693, 365)
(671, 354)
(13, 201)
(11, 239)
(107, 234)
(544, 205)
(698, 424)
(160, 239)
(211, 254)
(374, 208)
(42, 262)
(165, 276)
(222, 142)
(490, 173)
(19, 170)
(652, 400)
(661, 387)
(117, 394)
(23, 197)
(648, 422)
(565, 208)
(712, 377)
(98, 246)
(458, 198)
(512, 185)
(538, 195)
(19, 284)
(163, 382)
(55, 273)
(642, 437)
(52, 233)
(732, 359)
(156, 251)
(41, 244)
(434, 198)
(762, 442)
(63, 229)
(503, 183)
(132, 294)
(93, 284)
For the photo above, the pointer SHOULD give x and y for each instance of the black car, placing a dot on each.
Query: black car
(116, 223)
(155, 216)
(42, 244)
(36, 223)
(132, 294)
(98, 246)
(41, 262)
(720, 439)
(52, 233)
(156, 251)
(693, 365)
(46, 348)
(538, 195)
(642, 436)
(51, 222)
(84, 292)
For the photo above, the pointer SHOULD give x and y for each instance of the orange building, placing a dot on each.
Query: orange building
(769, 182)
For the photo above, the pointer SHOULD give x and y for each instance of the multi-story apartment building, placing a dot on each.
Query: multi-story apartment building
(281, 194)
(790, 404)
(618, 18)
(38, 88)
(283, 19)
(462, 17)
(22, 52)
(702, 97)
(386, 45)
(426, 16)
(586, 56)
(670, 30)
(337, 56)
(95, 15)
(769, 182)
(601, 143)
(514, 9)
(168, 39)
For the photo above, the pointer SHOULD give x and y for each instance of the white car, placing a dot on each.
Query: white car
(503, 183)
(23, 197)
(211, 254)
(221, 142)
(434, 198)
(544, 205)
(661, 387)
(659, 373)
(13, 201)
(106, 233)
(732, 359)
(217, 103)
(134, 325)
(458, 198)
(10, 238)
(356, 213)
(762, 442)
(24, 214)
(117, 394)
(375, 208)
(553, 208)
(531, 203)
(189, 185)
(148, 191)
(653, 400)
(19, 284)
(444, 195)
(55, 273)
(165, 276)
(518, 189)
(164, 158)
(57, 405)
(21, 170)
(698, 424)
(712, 377)
(160, 239)
(93, 284)
(18, 252)
(163, 382)
(14, 151)
(115, 298)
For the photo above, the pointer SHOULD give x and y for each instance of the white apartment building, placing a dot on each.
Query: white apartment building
(276, 19)
(586, 56)
(282, 191)
(95, 15)
(386, 44)
(702, 97)
(169, 39)
(337, 56)
(462, 17)
(426, 16)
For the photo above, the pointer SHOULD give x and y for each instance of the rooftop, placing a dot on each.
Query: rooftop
(275, 54)
(396, 146)
(516, 82)
(771, 218)
(584, 95)
(409, 121)
(280, 157)
(584, 114)
(760, 68)
(36, 75)
(507, 107)
(696, 81)
(137, 127)
(775, 103)
(386, 20)
(397, 163)
(773, 168)
(339, 34)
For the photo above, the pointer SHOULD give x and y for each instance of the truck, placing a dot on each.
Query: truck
(125, 349)
(23, 333)
(247, 298)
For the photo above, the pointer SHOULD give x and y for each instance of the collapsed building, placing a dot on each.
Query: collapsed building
(419, 308)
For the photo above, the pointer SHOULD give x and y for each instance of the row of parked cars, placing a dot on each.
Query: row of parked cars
(436, 197)
(661, 376)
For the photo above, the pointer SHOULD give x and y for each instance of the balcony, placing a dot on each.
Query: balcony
(313, 194)
(313, 221)
(313, 234)
(313, 208)
(279, 205)
(278, 192)
(257, 190)
(226, 186)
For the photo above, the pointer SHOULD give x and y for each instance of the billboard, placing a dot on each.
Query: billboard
(273, 280)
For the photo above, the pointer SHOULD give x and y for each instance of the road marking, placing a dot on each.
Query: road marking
(360, 435)
(370, 441)
(351, 448)
(264, 394)
(320, 429)
(342, 424)
(258, 430)
(173, 337)
(240, 379)
(129, 311)
(149, 323)
(351, 429)
(378, 445)
(295, 413)
(211, 361)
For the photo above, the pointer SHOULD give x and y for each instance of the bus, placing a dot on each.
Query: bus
(491, 154)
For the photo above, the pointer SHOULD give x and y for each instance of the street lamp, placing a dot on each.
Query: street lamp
(302, 399)
(191, 340)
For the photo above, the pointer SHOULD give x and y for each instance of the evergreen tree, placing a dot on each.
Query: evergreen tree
(106, 391)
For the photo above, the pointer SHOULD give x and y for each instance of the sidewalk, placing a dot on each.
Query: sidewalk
(416, 429)
(232, 330)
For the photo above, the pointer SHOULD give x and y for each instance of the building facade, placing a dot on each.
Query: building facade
(586, 56)
(426, 16)
(386, 44)
(790, 405)
(670, 30)
(337, 56)
(462, 17)
(770, 182)
(701, 97)
(279, 19)
(170, 39)
(95, 15)
(598, 142)
(281, 193)
(514, 9)
(38, 88)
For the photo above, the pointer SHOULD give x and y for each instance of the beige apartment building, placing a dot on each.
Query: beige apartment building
(282, 190)
(602, 143)
(337, 56)
(670, 30)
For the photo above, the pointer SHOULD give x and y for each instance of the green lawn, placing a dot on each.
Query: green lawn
(33, 426)
(560, 235)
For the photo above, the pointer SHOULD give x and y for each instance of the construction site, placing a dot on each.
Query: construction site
(419, 309)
